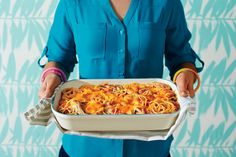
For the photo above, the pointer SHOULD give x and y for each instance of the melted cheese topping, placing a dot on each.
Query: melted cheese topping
(134, 98)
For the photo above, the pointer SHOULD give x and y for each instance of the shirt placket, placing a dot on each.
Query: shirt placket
(118, 148)
(121, 51)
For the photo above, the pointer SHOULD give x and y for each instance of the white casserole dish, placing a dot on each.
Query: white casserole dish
(113, 122)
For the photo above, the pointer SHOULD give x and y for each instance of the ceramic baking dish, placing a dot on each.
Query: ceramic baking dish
(113, 122)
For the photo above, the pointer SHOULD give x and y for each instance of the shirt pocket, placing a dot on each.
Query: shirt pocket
(151, 40)
(91, 40)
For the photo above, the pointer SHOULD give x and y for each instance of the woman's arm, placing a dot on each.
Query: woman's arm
(57, 65)
(185, 80)
(51, 81)
(60, 52)
(179, 53)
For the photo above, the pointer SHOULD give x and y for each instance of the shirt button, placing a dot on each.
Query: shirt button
(121, 50)
(122, 31)
(121, 74)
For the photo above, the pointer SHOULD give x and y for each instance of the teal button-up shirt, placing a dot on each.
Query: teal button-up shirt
(106, 47)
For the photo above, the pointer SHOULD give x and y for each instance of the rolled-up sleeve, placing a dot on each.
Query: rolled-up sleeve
(177, 48)
(60, 47)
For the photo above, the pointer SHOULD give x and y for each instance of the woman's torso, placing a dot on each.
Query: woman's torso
(110, 48)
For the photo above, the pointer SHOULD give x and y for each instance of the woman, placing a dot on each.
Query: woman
(118, 39)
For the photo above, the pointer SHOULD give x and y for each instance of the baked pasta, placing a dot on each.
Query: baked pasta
(134, 98)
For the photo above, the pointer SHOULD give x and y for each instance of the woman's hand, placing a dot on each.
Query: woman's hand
(48, 86)
(184, 82)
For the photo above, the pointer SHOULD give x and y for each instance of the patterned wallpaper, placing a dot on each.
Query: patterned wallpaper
(24, 27)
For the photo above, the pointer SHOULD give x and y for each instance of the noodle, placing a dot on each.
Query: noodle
(134, 98)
